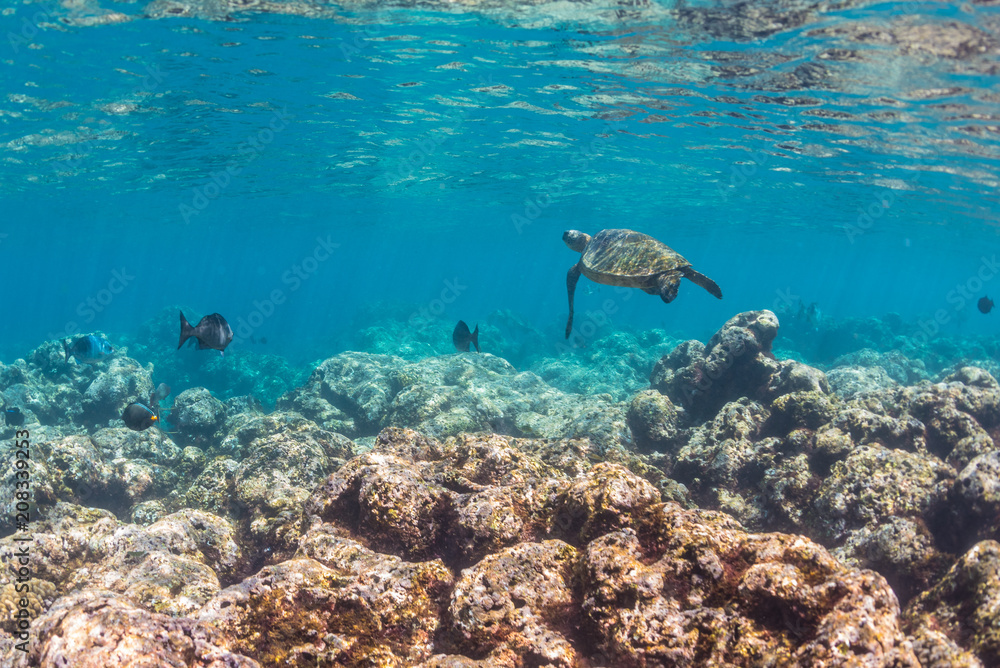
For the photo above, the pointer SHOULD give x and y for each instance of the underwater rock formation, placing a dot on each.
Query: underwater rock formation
(549, 590)
(736, 362)
(618, 364)
(119, 382)
(357, 394)
(776, 515)
(422, 551)
(94, 628)
(198, 417)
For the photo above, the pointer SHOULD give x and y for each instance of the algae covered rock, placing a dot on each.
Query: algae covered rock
(902, 549)
(874, 484)
(151, 445)
(198, 417)
(360, 394)
(703, 592)
(653, 420)
(793, 376)
(213, 489)
(384, 499)
(471, 496)
(607, 498)
(20, 604)
(805, 409)
(898, 367)
(976, 499)
(91, 629)
(724, 461)
(117, 385)
(847, 382)
(287, 459)
(350, 392)
(302, 612)
(736, 362)
(518, 598)
(171, 566)
(964, 605)
(67, 539)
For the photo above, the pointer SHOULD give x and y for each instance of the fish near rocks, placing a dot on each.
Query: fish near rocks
(13, 416)
(985, 305)
(139, 417)
(212, 332)
(462, 337)
(89, 349)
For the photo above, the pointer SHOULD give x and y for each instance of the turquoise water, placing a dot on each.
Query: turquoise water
(427, 158)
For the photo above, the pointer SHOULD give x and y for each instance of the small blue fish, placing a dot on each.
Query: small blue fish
(89, 349)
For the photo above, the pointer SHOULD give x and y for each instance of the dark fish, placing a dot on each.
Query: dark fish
(212, 332)
(462, 337)
(88, 349)
(138, 417)
(161, 392)
(985, 305)
(263, 339)
(13, 416)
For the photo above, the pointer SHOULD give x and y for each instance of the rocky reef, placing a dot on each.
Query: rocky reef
(738, 509)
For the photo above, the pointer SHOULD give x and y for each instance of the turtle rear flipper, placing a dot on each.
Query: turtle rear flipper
(667, 284)
(571, 279)
(702, 280)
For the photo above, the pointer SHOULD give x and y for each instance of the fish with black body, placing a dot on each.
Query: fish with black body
(13, 416)
(212, 332)
(462, 337)
(985, 305)
(139, 417)
(89, 349)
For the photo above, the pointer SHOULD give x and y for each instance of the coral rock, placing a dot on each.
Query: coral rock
(700, 591)
(198, 416)
(653, 420)
(518, 599)
(94, 629)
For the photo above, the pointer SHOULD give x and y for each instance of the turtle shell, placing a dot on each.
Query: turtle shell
(625, 257)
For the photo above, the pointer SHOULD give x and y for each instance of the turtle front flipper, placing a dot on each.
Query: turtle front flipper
(702, 280)
(571, 278)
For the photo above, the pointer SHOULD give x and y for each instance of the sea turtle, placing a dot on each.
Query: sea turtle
(630, 259)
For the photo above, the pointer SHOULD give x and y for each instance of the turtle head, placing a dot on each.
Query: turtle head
(576, 240)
